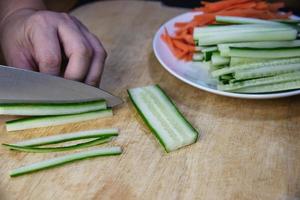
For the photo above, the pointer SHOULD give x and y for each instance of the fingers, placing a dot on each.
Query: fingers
(99, 55)
(77, 49)
(46, 50)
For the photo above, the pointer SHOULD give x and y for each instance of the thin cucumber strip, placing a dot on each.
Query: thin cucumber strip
(266, 71)
(235, 61)
(287, 21)
(243, 33)
(289, 85)
(198, 57)
(261, 81)
(210, 49)
(44, 121)
(243, 20)
(225, 48)
(39, 109)
(55, 139)
(279, 62)
(91, 143)
(162, 117)
(109, 151)
(218, 60)
(264, 53)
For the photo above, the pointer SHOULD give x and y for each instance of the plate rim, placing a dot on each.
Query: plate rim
(157, 39)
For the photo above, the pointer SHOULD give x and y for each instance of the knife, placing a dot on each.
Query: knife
(23, 86)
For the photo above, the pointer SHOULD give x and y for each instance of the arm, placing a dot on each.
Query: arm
(35, 39)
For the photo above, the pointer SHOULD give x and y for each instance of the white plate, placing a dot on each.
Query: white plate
(196, 74)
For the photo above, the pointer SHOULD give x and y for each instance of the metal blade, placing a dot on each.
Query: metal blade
(22, 86)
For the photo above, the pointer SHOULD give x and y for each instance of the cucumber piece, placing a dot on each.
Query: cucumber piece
(261, 81)
(289, 85)
(197, 57)
(280, 62)
(39, 109)
(287, 21)
(44, 121)
(219, 60)
(264, 53)
(225, 48)
(242, 33)
(55, 139)
(235, 61)
(243, 20)
(109, 151)
(162, 117)
(91, 143)
(266, 71)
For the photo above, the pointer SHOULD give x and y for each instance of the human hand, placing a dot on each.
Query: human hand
(36, 40)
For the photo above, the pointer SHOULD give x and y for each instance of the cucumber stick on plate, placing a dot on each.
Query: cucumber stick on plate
(253, 55)
(162, 117)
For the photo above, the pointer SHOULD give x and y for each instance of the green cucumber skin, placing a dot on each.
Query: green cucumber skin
(98, 141)
(11, 125)
(67, 159)
(265, 53)
(40, 109)
(149, 123)
(72, 137)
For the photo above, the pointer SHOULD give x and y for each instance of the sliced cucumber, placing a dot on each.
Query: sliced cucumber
(289, 85)
(198, 57)
(264, 53)
(243, 33)
(44, 121)
(219, 60)
(261, 81)
(39, 109)
(266, 71)
(235, 61)
(55, 139)
(225, 48)
(163, 118)
(280, 62)
(243, 20)
(91, 143)
(110, 151)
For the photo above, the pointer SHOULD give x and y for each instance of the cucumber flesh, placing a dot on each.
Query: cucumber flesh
(163, 118)
(39, 109)
(289, 85)
(110, 151)
(198, 57)
(91, 143)
(44, 121)
(219, 60)
(225, 48)
(264, 53)
(261, 81)
(266, 71)
(235, 61)
(55, 139)
(243, 20)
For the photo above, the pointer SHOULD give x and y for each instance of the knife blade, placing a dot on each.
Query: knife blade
(23, 86)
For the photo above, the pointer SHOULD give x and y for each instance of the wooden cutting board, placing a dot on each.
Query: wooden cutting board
(248, 149)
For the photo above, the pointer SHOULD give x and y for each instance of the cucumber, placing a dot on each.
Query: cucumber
(162, 117)
(225, 48)
(243, 20)
(287, 21)
(266, 71)
(98, 141)
(243, 33)
(219, 60)
(235, 61)
(39, 109)
(261, 81)
(109, 151)
(280, 62)
(55, 139)
(44, 121)
(198, 57)
(264, 53)
(289, 85)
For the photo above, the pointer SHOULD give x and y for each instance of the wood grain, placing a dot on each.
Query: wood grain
(248, 149)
